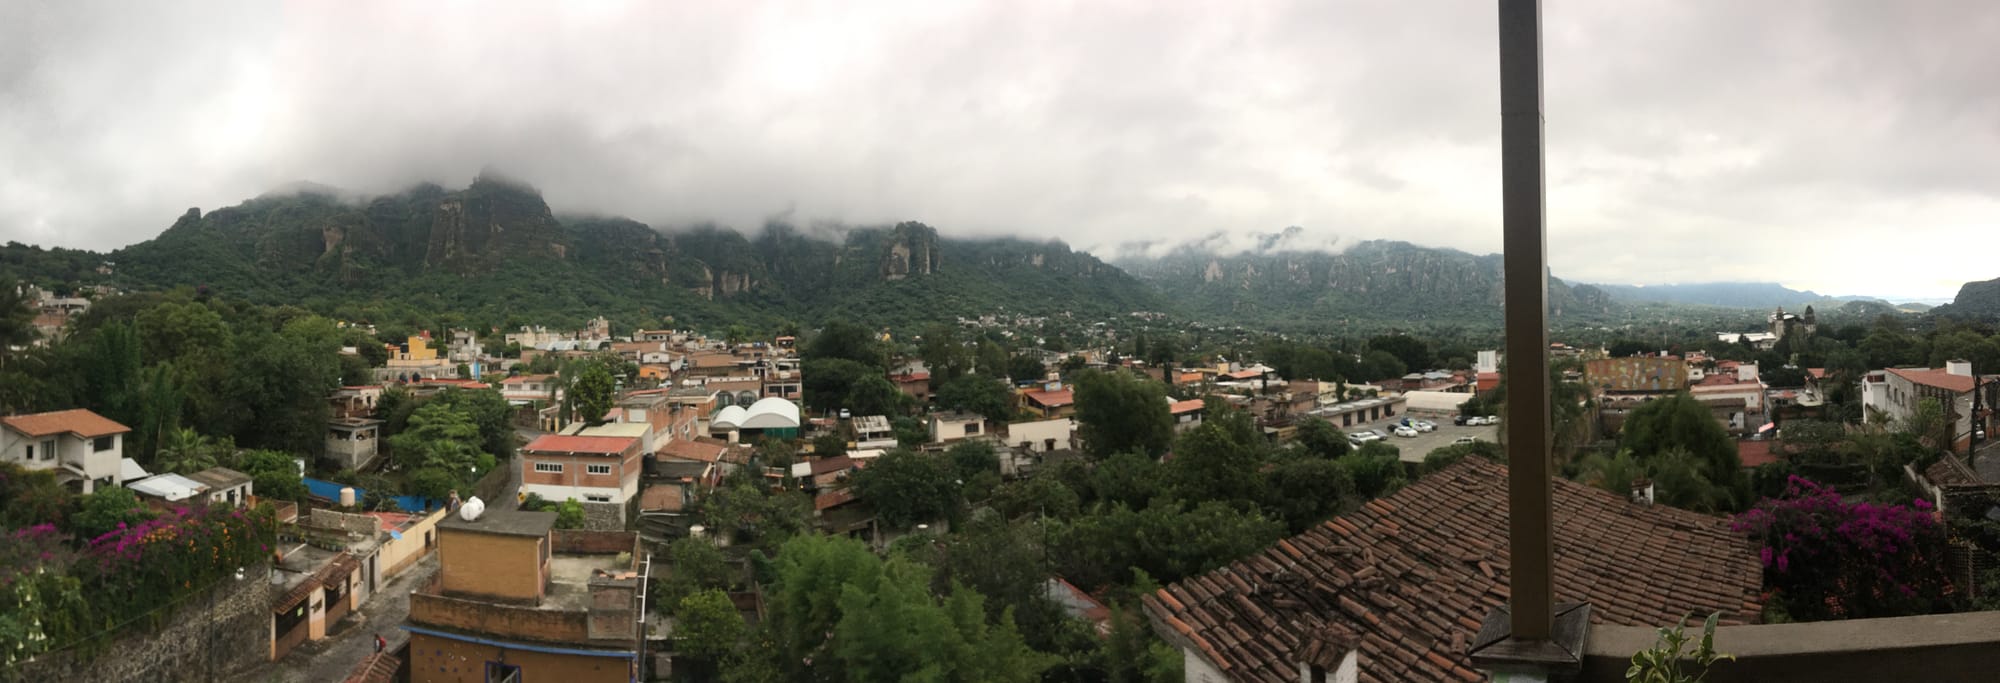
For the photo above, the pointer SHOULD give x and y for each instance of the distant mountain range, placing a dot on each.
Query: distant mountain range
(494, 251)
(1764, 295)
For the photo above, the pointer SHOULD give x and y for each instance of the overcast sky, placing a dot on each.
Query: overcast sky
(1845, 147)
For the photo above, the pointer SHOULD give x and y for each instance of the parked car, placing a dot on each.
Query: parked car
(1493, 419)
(1364, 436)
(1474, 421)
(1461, 420)
(1464, 440)
(1406, 432)
(1425, 426)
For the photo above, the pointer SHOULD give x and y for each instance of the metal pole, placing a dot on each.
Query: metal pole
(1525, 250)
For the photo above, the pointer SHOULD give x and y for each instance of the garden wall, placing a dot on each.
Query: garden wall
(196, 642)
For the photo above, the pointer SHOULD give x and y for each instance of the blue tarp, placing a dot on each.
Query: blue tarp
(330, 490)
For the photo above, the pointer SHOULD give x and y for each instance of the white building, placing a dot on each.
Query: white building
(1895, 394)
(83, 447)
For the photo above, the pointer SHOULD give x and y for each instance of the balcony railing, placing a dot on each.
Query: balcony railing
(1942, 648)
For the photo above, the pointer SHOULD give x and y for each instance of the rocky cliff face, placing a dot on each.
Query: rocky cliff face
(912, 250)
(493, 220)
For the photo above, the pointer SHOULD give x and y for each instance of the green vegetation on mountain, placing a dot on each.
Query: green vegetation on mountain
(1975, 301)
(493, 253)
(1371, 281)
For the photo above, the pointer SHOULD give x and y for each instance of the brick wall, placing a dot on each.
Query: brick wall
(201, 641)
(494, 619)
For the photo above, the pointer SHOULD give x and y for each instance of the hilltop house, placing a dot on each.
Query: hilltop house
(83, 447)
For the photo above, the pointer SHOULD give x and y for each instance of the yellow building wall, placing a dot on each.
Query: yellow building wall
(398, 554)
(444, 660)
(491, 565)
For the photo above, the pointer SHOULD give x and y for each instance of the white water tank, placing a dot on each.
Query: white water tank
(470, 510)
(697, 531)
(347, 496)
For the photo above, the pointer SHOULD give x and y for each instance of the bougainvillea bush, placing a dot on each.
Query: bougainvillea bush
(57, 597)
(1825, 558)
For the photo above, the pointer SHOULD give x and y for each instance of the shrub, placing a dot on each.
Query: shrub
(1829, 559)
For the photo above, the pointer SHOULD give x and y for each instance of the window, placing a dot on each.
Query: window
(600, 469)
(549, 467)
(102, 443)
(596, 498)
(31, 454)
(49, 449)
(972, 428)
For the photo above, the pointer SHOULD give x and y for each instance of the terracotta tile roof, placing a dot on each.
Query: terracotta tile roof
(524, 379)
(1950, 471)
(1188, 378)
(1754, 453)
(688, 449)
(80, 422)
(1051, 399)
(1407, 579)
(1936, 378)
(1187, 406)
(377, 667)
(838, 463)
(911, 377)
(564, 443)
(1816, 373)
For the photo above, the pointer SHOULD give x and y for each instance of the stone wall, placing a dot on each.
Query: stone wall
(603, 516)
(198, 641)
(589, 542)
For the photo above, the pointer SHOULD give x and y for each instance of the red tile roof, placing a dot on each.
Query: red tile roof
(1936, 378)
(524, 379)
(564, 443)
(80, 422)
(687, 449)
(1051, 399)
(1187, 406)
(1407, 579)
(833, 499)
(911, 377)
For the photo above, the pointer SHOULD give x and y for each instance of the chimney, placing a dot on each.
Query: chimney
(1642, 491)
(1958, 367)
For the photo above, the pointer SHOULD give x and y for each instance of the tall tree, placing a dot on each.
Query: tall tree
(1118, 412)
(1679, 422)
(906, 488)
(983, 395)
(592, 393)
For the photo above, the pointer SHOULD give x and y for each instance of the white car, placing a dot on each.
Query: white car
(1475, 421)
(1426, 426)
(1406, 432)
(1493, 419)
(1464, 440)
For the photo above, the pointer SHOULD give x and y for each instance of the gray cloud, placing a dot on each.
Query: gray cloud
(1841, 146)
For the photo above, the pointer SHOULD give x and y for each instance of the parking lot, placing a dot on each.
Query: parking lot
(1413, 450)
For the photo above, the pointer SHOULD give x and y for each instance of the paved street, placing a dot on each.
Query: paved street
(329, 660)
(1413, 450)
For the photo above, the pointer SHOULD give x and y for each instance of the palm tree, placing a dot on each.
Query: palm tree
(186, 450)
